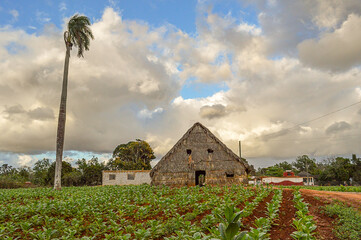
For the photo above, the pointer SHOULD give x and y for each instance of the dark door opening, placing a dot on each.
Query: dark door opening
(200, 178)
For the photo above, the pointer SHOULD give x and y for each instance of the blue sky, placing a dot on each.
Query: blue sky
(37, 13)
(243, 68)
(33, 16)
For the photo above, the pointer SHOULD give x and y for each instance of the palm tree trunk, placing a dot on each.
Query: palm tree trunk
(61, 122)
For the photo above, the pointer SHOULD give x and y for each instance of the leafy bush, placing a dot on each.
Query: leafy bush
(348, 223)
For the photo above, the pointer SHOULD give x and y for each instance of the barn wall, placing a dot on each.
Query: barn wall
(179, 168)
(121, 177)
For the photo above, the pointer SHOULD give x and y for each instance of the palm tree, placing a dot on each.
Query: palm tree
(78, 34)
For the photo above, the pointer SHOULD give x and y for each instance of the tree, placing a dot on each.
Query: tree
(274, 171)
(91, 171)
(284, 165)
(78, 34)
(66, 169)
(303, 162)
(135, 155)
(7, 169)
(356, 175)
(40, 169)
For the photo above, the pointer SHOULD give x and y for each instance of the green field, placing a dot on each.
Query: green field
(328, 188)
(146, 212)
(117, 212)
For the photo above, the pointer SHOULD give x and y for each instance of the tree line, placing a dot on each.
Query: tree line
(42, 174)
(329, 171)
(134, 155)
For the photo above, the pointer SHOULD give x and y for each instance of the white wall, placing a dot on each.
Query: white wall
(121, 177)
(281, 179)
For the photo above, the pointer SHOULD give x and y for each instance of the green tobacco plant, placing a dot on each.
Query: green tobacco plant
(230, 225)
(304, 224)
(348, 223)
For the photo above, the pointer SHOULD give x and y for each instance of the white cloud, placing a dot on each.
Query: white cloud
(62, 6)
(15, 14)
(42, 17)
(128, 85)
(338, 50)
(145, 113)
(25, 160)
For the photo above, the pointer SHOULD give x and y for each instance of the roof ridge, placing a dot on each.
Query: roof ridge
(229, 151)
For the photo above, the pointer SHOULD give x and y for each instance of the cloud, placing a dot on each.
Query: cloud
(15, 14)
(145, 113)
(62, 6)
(39, 113)
(128, 85)
(214, 111)
(338, 127)
(42, 17)
(25, 160)
(338, 50)
(16, 109)
(285, 24)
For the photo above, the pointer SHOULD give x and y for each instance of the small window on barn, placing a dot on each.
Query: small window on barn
(189, 151)
(230, 175)
(210, 150)
(131, 176)
(111, 176)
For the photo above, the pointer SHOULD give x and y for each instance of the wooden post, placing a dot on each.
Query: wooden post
(240, 149)
(307, 172)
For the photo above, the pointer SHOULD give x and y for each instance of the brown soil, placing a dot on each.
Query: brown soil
(283, 225)
(325, 224)
(352, 199)
(259, 211)
(242, 204)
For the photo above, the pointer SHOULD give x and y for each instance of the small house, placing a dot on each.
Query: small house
(288, 179)
(126, 177)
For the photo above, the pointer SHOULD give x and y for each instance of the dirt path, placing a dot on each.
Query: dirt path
(259, 211)
(325, 224)
(283, 228)
(353, 199)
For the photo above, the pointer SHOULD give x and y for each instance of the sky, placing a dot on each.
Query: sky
(251, 71)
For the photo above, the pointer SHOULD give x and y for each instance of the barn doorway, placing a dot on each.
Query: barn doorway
(200, 178)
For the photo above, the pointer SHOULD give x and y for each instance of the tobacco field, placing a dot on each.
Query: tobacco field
(146, 212)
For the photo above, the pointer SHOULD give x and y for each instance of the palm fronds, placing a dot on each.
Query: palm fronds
(79, 33)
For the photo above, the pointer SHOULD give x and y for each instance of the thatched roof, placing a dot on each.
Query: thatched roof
(211, 135)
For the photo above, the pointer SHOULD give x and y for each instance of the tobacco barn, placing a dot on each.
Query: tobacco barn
(199, 158)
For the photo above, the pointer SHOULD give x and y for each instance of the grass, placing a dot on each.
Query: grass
(348, 224)
(327, 188)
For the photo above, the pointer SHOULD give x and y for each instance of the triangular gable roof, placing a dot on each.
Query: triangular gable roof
(211, 135)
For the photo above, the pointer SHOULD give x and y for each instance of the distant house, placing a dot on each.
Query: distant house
(199, 158)
(306, 176)
(289, 178)
(126, 177)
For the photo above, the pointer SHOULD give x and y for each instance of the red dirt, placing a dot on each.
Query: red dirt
(283, 228)
(200, 216)
(242, 204)
(325, 224)
(351, 199)
(259, 211)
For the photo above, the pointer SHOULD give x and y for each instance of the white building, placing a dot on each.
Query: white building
(286, 180)
(294, 180)
(126, 177)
